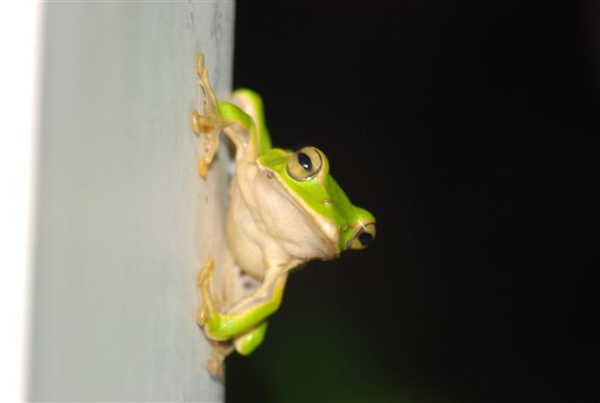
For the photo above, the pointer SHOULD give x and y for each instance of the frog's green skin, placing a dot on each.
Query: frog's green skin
(285, 209)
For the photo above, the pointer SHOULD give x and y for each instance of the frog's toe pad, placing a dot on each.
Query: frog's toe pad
(202, 123)
(201, 314)
(200, 63)
(203, 167)
(214, 365)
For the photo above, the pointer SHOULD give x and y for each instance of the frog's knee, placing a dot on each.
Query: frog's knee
(249, 341)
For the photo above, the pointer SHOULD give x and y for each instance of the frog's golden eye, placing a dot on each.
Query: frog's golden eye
(305, 164)
(363, 236)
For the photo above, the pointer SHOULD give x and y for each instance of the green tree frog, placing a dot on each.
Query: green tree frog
(284, 210)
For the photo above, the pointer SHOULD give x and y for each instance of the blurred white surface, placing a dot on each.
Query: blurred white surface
(19, 40)
(123, 219)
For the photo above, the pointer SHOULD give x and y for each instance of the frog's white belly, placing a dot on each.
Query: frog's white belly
(266, 224)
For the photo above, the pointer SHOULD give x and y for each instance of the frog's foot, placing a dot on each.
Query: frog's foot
(221, 350)
(206, 310)
(201, 309)
(210, 122)
(210, 127)
(210, 98)
(209, 302)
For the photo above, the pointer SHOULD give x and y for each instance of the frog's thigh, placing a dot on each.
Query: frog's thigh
(249, 341)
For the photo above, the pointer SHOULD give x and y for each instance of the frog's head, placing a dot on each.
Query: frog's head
(305, 176)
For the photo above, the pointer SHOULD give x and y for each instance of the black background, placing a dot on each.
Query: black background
(468, 129)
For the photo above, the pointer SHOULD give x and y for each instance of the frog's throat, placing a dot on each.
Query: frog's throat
(327, 228)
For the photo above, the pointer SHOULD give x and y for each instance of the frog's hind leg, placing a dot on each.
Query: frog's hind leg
(209, 123)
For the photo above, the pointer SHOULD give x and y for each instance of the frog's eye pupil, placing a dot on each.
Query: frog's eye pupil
(305, 164)
(304, 161)
(365, 239)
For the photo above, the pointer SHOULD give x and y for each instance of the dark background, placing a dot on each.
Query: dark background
(469, 129)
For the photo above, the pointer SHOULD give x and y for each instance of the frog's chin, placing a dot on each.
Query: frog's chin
(292, 224)
(319, 242)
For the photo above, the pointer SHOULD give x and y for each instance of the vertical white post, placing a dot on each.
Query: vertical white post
(19, 40)
(123, 220)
